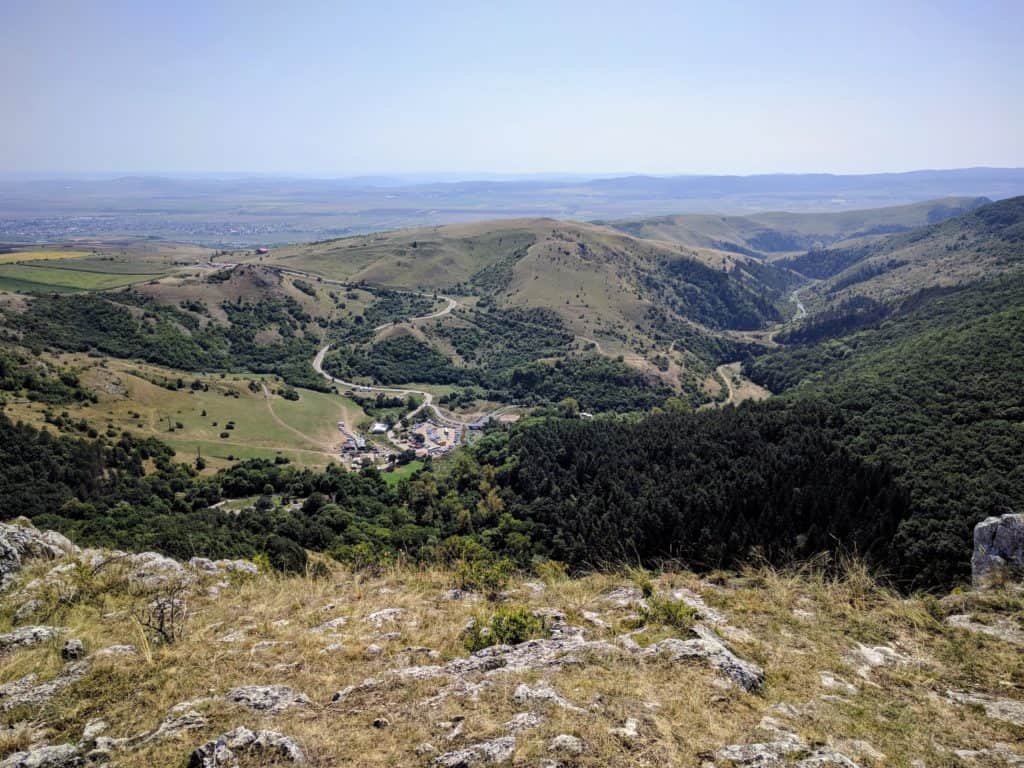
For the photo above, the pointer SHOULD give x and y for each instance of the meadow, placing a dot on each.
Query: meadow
(266, 425)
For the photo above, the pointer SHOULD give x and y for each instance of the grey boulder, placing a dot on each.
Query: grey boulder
(998, 545)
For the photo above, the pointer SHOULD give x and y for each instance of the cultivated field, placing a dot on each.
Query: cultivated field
(43, 254)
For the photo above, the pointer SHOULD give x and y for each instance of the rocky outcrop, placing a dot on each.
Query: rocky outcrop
(485, 753)
(223, 751)
(21, 541)
(272, 699)
(709, 649)
(1007, 710)
(543, 692)
(58, 756)
(567, 646)
(23, 637)
(1001, 628)
(865, 658)
(784, 748)
(567, 744)
(998, 545)
(27, 691)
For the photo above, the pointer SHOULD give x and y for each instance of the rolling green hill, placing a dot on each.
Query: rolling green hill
(766, 234)
(980, 243)
(672, 312)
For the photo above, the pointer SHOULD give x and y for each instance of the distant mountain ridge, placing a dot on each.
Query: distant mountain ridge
(766, 234)
(264, 210)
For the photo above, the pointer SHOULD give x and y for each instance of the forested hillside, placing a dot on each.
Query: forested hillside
(933, 387)
(131, 326)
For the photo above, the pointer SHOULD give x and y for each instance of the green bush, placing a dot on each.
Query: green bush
(667, 613)
(510, 625)
(483, 575)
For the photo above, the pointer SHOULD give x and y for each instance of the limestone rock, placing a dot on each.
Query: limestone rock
(783, 747)
(762, 754)
(485, 753)
(115, 652)
(271, 699)
(1008, 710)
(151, 569)
(26, 609)
(569, 647)
(545, 693)
(566, 744)
(997, 754)
(834, 682)
(626, 597)
(22, 542)
(59, 756)
(998, 543)
(524, 721)
(330, 625)
(203, 564)
(22, 637)
(176, 723)
(708, 648)
(865, 658)
(28, 692)
(1002, 628)
(628, 732)
(221, 752)
(384, 616)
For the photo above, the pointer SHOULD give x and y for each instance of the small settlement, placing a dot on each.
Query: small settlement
(425, 438)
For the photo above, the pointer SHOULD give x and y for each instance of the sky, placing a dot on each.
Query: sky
(336, 88)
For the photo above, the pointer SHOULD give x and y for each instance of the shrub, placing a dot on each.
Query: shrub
(483, 575)
(551, 571)
(510, 625)
(285, 555)
(668, 613)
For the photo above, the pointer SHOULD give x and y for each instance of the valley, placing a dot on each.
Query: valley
(498, 393)
(438, 470)
(511, 385)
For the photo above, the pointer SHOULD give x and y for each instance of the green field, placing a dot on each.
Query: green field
(68, 277)
(392, 478)
(107, 266)
(42, 254)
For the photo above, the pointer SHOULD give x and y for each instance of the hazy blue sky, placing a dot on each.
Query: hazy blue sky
(336, 88)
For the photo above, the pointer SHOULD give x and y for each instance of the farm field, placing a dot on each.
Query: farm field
(90, 276)
(42, 254)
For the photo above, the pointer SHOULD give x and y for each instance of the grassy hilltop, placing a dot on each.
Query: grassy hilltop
(386, 669)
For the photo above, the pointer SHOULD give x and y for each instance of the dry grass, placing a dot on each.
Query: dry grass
(796, 624)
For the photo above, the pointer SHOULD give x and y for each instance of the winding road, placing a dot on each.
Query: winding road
(427, 397)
